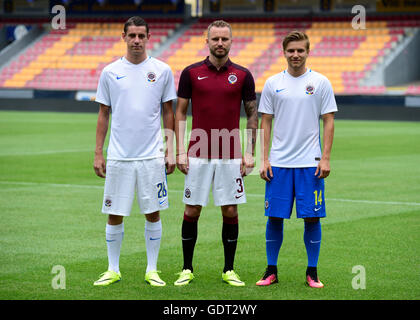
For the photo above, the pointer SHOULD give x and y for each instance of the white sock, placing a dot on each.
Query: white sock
(114, 236)
(152, 234)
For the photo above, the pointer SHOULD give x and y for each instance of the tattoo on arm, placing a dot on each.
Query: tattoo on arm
(252, 124)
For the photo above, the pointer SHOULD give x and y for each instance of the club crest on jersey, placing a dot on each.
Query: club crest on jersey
(232, 78)
(151, 77)
(310, 89)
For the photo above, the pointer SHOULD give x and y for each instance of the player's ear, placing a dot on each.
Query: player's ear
(123, 36)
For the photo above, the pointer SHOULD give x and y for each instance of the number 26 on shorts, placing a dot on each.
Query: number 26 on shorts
(161, 190)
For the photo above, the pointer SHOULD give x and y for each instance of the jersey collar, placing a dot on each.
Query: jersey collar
(211, 66)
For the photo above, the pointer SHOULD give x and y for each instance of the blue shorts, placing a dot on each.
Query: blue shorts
(290, 183)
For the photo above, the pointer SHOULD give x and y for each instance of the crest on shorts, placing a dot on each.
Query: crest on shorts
(266, 204)
(310, 89)
(232, 78)
(108, 202)
(187, 193)
(151, 77)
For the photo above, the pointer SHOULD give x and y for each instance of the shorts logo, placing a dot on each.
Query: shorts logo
(187, 193)
(266, 204)
(232, 78)
(310, 89)
(108, 203)
(151, 77)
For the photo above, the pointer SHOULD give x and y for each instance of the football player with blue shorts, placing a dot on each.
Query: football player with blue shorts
(292, 104)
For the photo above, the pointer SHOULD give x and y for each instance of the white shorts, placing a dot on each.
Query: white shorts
(123, 178)
(224, 174)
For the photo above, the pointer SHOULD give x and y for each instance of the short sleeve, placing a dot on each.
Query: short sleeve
(185, 86)
(169, 91)
(266, 100)
(328, 99)
(102, 92)
(248, 89)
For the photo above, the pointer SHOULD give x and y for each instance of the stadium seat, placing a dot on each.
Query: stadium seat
(74, 58)
(84, 45)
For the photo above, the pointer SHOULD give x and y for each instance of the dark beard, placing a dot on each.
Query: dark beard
(219, 56)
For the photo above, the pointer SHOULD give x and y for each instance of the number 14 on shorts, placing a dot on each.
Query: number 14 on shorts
(318, 197)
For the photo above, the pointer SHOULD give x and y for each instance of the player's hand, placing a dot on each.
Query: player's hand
(247, 164)
(266, 172)
(323, 169)
(169, 164)
(99, 165)
(182, 162)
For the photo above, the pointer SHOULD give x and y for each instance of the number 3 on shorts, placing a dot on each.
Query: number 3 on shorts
(161, 190)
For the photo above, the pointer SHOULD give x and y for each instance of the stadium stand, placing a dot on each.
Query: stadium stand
(343, 54)
(72, 59)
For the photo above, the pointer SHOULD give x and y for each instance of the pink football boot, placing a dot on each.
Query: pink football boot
(266, 280)
(312, 283)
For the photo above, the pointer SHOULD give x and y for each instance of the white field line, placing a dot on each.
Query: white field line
(253, 195)
(30, 153)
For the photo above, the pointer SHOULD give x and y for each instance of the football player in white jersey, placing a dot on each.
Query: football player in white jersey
(134, 88)
(297, 165)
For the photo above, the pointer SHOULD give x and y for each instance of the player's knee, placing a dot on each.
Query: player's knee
(114, 220)
(230, 211)
(192, 211)
(152, 217)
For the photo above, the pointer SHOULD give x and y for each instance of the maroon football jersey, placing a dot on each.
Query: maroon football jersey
(216, 97)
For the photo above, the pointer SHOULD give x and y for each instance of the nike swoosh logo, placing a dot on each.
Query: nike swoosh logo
(182, 281)
(317, 209)
(201, 78)
(237, 197)
(154, 238)
(229, 240)
(279, 90)
(118, 78)
(110, 240)
(186, 239)
(315, 241)
(162, 202)
(156, 281)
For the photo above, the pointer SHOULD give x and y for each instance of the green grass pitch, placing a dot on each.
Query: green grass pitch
(50, 201)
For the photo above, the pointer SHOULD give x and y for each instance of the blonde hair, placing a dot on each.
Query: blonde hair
(295, 36)
(219, 24)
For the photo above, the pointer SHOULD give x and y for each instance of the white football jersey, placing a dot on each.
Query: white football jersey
(135, 93)
(297, 104)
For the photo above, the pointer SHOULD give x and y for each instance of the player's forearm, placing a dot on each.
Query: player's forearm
(251, 137)
(328, 136)
(101, 130)
(168, 126)
(180, 124)
(251, 125)
(266, 122)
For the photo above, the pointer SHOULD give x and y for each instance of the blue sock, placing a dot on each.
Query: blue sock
(312, 239)
(273, 240)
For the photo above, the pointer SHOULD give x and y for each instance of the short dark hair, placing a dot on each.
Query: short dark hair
(295, 36)
(136, 21)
